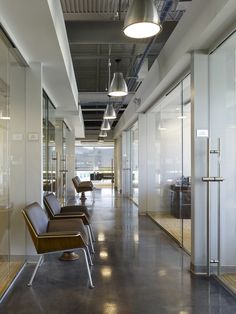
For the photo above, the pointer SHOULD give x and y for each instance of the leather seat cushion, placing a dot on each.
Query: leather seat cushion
(68, 225)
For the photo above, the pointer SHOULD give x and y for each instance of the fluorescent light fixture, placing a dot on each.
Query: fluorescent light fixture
(181, 117)
(142, 20)
(5, 118)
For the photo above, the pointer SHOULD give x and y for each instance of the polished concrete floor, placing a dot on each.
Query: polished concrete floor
(137, 269)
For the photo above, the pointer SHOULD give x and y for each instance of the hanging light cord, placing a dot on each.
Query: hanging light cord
(109, 67)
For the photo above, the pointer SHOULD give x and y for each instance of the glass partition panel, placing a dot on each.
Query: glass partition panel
(49, 147)
(12, 166)
(17, 153)
(95, 163)
(223, 138)
(134, 162)
(169, 168)
(186, 166)
(4, 169)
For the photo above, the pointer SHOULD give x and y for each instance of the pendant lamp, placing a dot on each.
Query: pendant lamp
(105, 125)
(110, 113)
(118, 87)
(142, 20)
(102, 133)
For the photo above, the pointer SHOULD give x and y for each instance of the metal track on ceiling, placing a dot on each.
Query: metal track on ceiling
(93, 6)
(110, 8)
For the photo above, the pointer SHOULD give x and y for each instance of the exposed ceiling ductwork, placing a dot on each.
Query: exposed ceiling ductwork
(95, 35)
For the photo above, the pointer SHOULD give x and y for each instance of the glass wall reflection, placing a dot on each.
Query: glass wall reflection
(95, 163)
(169, 171)
(12, 165)
(49, 146)
(222, 86)
(134, 162)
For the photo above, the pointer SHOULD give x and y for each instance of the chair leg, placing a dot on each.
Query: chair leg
(91, 285)
(89, 256)
(90, 239)
(42, 261)
(83, 197)
(92, 234)
(35, 271)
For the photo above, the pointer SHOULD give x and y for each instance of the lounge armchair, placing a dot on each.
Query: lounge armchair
(55, 235)
(55, 211)
(82, 186)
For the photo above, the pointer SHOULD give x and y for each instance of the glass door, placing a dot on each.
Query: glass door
(169, 163)
(222, 160)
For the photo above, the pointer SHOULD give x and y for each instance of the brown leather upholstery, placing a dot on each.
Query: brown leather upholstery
(55, 235)
(50, 236)
(82, 186)
(68, 212)
(68, 225)
(56, 211)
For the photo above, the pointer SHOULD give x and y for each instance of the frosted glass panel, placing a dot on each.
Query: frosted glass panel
(223, 126)
(134, 162)
(169, 167)
(12, 166)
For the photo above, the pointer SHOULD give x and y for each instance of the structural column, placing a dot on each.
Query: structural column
(34, 155)
(142, 162)
(200, 125)
(70, 151)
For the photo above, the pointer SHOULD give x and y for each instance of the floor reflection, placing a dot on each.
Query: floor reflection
(138, 269)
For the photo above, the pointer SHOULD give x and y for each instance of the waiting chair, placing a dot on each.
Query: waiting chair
(82, 186)
(55, 235)
(55, 211)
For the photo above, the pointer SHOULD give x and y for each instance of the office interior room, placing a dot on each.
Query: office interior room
(170, 149)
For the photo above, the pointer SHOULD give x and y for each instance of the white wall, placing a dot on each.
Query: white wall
(142, 163)
(199, 120)
(34, 142)
(118, 163)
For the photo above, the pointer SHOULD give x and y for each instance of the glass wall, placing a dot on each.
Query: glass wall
(169, 164)
(12, 165)
(223, 136)
(95, 163)
(134, 162)
(49, 146)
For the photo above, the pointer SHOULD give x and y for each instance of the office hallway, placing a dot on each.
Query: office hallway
(137, 269)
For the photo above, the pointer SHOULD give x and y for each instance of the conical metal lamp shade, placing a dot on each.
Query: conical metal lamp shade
(110, 112)
(102, 133)
(142, 20)
(105, 125)
(118, 87)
